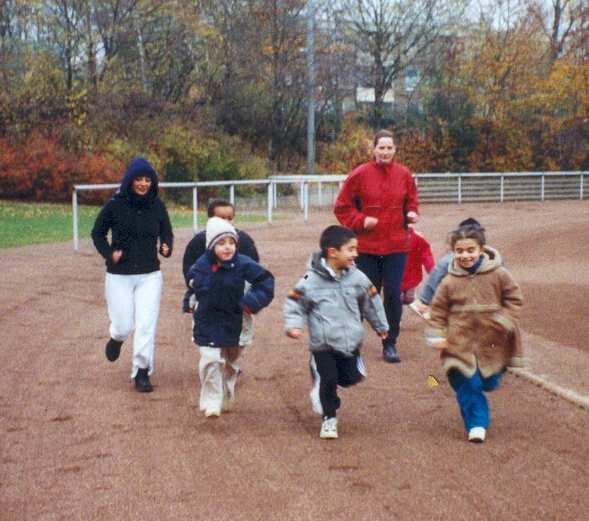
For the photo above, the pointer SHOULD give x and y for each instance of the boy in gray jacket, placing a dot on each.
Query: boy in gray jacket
(333, 297)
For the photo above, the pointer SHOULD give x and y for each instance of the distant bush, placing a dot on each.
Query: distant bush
(352, 148)
(40, 168)
(189, 155)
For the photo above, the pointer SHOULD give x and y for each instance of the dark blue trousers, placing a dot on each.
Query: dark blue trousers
(386, 272)
(470, 393)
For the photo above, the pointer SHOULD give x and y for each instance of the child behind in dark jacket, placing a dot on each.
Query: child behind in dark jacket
(218, 279)
(333, 297)
(198, 246)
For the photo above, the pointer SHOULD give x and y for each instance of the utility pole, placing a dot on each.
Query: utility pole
(311, 86)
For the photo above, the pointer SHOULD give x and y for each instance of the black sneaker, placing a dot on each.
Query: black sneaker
(142, 383)
(113, 349)
(389, 353)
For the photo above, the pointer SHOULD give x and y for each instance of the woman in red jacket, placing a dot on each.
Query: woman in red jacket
(377, 201)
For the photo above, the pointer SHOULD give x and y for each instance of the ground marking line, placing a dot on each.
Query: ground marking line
(560, 391)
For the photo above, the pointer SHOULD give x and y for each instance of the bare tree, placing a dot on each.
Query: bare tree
(389, 35)
(560, 20)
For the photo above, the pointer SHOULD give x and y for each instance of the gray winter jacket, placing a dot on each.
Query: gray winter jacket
(334, 308)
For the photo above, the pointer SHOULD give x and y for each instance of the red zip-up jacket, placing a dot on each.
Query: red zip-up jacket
(420, 256)
(386, 192)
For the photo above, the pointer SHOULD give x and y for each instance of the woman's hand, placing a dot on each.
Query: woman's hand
(165, 249)
(412, 217)
(116, 256)
(383, 334)
(370, 223)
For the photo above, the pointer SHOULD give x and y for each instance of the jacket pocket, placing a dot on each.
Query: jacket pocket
(501, 321)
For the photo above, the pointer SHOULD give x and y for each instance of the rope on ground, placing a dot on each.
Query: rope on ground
(562, 392)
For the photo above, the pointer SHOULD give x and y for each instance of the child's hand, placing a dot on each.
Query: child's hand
(438, 343)
(165, 250)
(189, 307)
(421, 307)
(116, 256)
(294, 333)
(383, 334)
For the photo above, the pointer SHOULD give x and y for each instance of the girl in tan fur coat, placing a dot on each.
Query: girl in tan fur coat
(474, 317)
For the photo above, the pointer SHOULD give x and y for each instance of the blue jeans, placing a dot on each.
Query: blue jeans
(386, 272)
(470, 393)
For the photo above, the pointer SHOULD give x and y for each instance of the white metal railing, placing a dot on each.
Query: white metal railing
(435, 188)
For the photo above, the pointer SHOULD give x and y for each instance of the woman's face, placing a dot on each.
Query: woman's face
(384, 151)
(141, 184)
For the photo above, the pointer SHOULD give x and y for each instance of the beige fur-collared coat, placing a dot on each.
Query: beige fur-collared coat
(477, 314)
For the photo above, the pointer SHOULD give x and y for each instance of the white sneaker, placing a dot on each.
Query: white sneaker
(477, 434)
(328, 429)
(212, 413)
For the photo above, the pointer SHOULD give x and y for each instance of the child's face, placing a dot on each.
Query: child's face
(343, 257)
(225, 249)
(467, 252)
(224, 212)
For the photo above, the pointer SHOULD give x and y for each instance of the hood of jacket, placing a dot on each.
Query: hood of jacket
(138, 167)
(491, 261)
(317, 266)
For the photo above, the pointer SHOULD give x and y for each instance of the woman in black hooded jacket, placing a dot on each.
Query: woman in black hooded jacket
(137, 219)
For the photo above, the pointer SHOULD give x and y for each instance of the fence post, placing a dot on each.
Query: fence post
(320, 194)
(270, 200)
(581, 187)
(459, 189)
(275, 194)
(306, 200)
(302, 195)
(502, 189)
(232, 194)
(75, 219)
(194, 209)
(542, 188)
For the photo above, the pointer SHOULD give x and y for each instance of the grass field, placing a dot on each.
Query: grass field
(22, 224)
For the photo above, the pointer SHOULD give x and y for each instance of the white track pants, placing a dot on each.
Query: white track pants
(247, 331)
(218, 372)
(247, 327)
(133, 302)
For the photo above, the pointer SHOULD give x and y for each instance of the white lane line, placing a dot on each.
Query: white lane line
(568, 394)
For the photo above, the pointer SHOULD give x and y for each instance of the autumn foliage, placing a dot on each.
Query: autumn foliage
(40, 169)
(219, 90)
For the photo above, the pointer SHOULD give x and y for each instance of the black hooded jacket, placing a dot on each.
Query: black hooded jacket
(136, 223)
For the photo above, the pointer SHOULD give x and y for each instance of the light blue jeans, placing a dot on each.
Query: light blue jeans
(470, 394)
